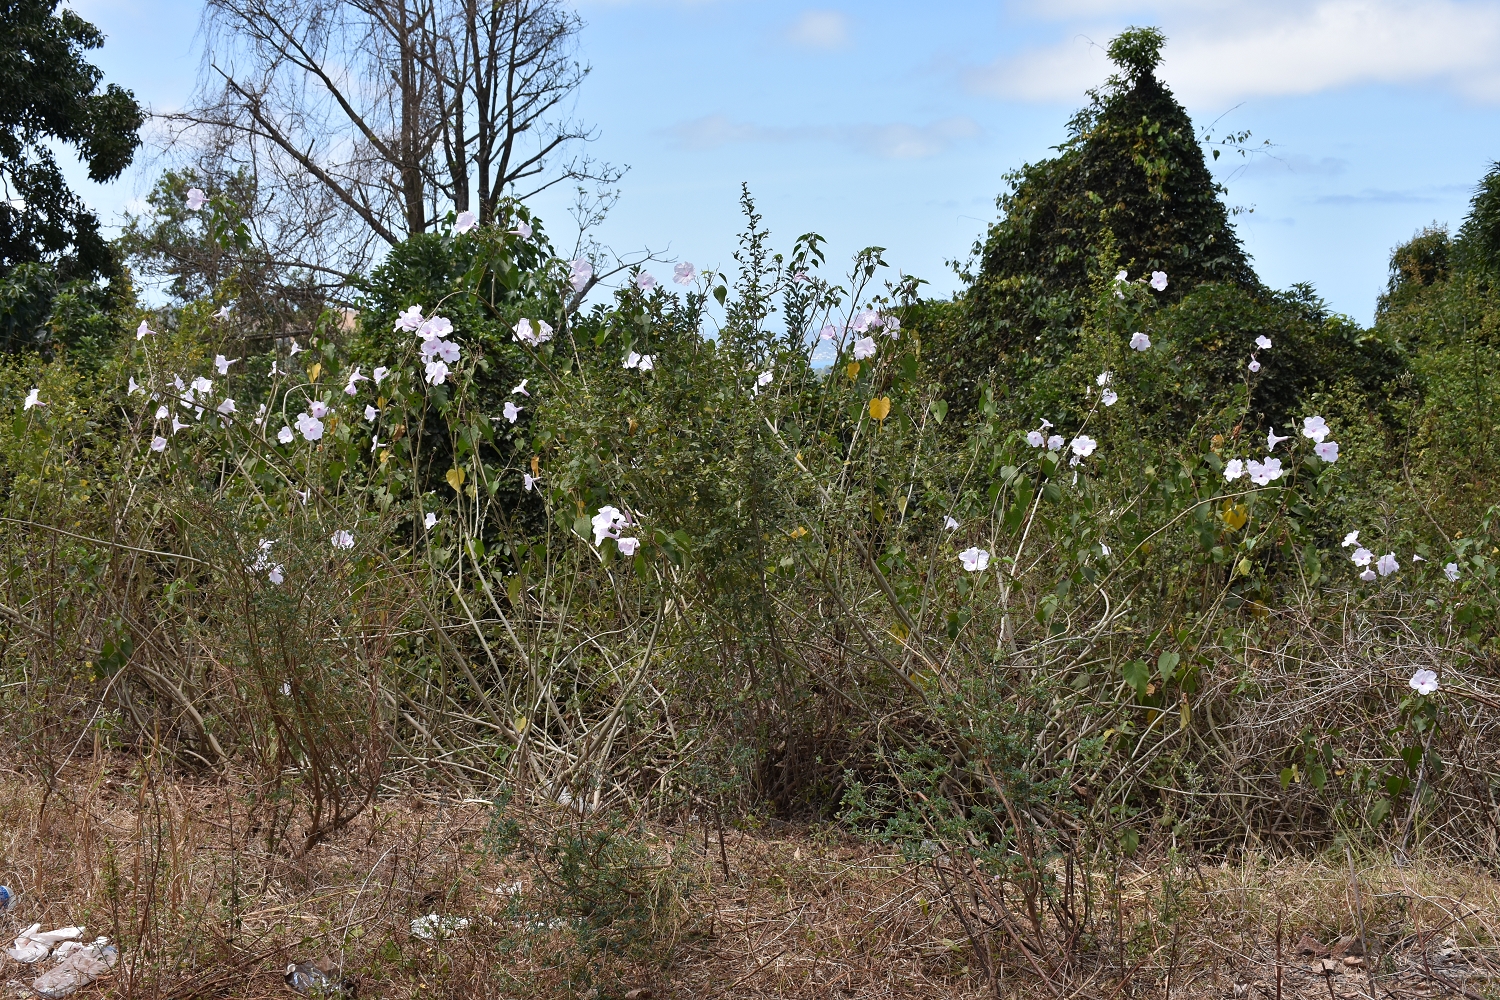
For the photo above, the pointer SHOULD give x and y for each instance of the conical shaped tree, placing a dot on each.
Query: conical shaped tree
(1132, 171)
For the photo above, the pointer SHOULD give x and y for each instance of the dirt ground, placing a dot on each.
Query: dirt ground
(178, 873)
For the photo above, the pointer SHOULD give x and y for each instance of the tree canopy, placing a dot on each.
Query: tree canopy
(50, 92)
(1131, 172)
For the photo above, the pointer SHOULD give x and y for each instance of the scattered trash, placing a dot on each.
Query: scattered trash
(83, 965)
(34, 944)
(7, 898)
(319, 979)
(434, 928)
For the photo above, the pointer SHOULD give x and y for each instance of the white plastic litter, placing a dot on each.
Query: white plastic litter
(83, 965)
(35, 944)
(433, 927)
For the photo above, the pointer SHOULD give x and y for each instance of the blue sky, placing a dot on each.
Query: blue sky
(892, 124)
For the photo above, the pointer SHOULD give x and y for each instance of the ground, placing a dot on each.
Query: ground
(177, 870)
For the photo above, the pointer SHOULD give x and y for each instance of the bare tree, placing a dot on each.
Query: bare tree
(365, 121)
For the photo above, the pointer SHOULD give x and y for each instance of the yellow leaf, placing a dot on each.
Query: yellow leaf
(880, 407)
(315, 371)
(799, 532)
(536, 463)
(1235, 515)
(1187, 714)
(521, 723)
(455, 478)
(385, 455)
(380, 402)
(852, 370)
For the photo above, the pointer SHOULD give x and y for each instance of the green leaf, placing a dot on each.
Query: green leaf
(939, 410)
(1138, 675)
(1166, 665)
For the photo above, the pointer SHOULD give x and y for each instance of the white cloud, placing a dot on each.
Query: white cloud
(820, 29)
(891, 141)
(1218, 53)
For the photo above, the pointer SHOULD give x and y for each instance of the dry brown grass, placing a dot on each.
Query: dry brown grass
(175, 871)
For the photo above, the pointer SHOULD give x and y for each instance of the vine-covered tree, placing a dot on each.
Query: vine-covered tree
(49, 93)
(1132, 171)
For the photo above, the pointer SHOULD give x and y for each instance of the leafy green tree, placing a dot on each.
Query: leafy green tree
(1478, 243)
(50, 93)
(1132, 174)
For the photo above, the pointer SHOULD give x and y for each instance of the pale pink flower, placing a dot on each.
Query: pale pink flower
(1159, 280)
(511, 411)
(410, 320)
(1387, 564)
(1328, 451)
(158, 443)
(1140, 342)
(32, 399)
(644, 281)
(143, 331)
(1233, 469)
(975, 559)
(309, 426)
(628, 546)
(343, 539)
(196, 199)
(1263, 342)
(581, 271)
(465, 221)
(523, 229)
(684, 273)
(1424, 682)
(1263, 473)
(864, 347)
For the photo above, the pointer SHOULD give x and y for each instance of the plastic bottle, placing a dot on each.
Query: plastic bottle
(7, 898)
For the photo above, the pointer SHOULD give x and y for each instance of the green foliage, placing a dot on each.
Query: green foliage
(50, 93)
(1478, 244)
(1129, 183)
(39, 312)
